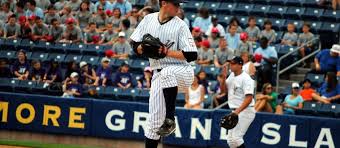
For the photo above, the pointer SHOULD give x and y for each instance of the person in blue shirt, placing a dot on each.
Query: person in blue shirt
(124, 6)
(71, 87)
(329, 90)
(328, 60)
(105, 4)
(233, 38)
(104, 73)
(34, 10)
(269, 58)
(123, 77)
(203, 21)
(292, 102)
(21, 66)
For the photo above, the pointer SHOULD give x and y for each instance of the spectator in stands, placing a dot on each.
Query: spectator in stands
(329, 90)
(125, 27)
(92, 34)
(244, 45)
(252, 30)
(87, 74)
(124, 6)
(248, 66)
(99, 18)
(71, 87)
(222, 54)
(194, 95)
(234, 22)
(37, 73)
(335, 3)
(307, 90)
(154, 4)
(21, 66)
(215, 24)
(145, 81)
(74, 4)
(305, 41)
(55, 31)
(123, 78)
(116, 18)
(134, 17)
(25, 29)
(43, 4)
(290, 38)
(60, 5)
(214, 38)
(83, 15)
(267, 100)
(122, 48)
(31, 21)
(203, 21)
(328, 60)
(292, 102)
(1, 28)
(40, 30)
(219, 97)
(51, 14)
(5, 72)
(33, 10)
(105, 4)
(19, 10)
(11, 29)
(269, 58)
(71, 33)
(53, 73)
(205, 55)
(109, 35)
(71, 67)
(66, 13)
(198, 41)
(104, 73)
(268, 32)
(181, 15)
(232, 37)
(145, 11)
(5, 12)
(202, 79)
(196, 32)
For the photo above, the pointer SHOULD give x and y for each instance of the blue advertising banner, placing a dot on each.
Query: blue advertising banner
(197, 128)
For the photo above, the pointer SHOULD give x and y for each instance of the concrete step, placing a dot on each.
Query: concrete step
(301, 70)
(297, 77)
(285, 83)
(281, 89)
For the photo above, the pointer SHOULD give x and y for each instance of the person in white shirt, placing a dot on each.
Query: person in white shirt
(215, 24)
(194, 95)
(240, 100)
(248, 65)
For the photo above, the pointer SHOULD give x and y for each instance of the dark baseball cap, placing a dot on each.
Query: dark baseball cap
(237, 60)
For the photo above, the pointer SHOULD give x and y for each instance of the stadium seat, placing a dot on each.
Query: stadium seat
(310, 3)
(294, 12)
(40, 88)
(292, 3)
(337, 111)
(24, 86)
(91, 50)
(207, 101)
(330, 27)
(73, 57)
(276, 11)
(11, 43)
(100, 91)
(41, 56)
(279, 35)
(312, 13)
(138, 65)
(5, 85)
(277, 24)
(42, 46)
(211, 71)
(2, 40)
(326, 110)
(277, 2)
(197, 68)
(316, 79)
(224, 19)
(260, 10)
(180, 99)
(92, 60)
(59, 47)
(309, 108)
(243, 21)
(315, 27)
(264, 2)
(330, 16)
(76, 48)
(110, 92)
(242, 9)
(140, 3)
(260, 22)
(28, 55)
(126, 94)
(212, 84)
(212, 5)
(56, 57)
(226, 8)
(191, 16)
(13, 83)
(142, 95)
(118, 62)
(193, 5)
(26, 44)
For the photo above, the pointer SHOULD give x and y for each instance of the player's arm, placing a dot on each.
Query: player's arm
(247, 100)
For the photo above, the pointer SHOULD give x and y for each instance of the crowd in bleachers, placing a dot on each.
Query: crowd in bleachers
(109, 24)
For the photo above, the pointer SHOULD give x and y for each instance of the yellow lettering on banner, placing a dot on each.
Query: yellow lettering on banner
(53, 116)
(31, 115)
(4, 110)
(74, 116)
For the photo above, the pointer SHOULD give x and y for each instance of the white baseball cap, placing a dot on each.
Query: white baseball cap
(335, 48)
(82, 64)
(105, 59)
(295, 85)
(148, 68)
(121, 34)
(74, 74)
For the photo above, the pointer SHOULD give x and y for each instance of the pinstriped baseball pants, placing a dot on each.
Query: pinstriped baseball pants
(171, 76)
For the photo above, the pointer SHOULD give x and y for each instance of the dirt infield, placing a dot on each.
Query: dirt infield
(6, 146)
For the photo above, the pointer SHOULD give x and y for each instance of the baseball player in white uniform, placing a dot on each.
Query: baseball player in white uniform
(240, 88)
(172, 74)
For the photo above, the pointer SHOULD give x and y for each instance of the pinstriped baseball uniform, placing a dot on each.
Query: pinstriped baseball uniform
(174, 72)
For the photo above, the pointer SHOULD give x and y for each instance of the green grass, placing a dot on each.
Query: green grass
(34, 144)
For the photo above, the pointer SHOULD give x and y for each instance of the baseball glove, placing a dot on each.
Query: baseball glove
(229, 121)
(153, 47)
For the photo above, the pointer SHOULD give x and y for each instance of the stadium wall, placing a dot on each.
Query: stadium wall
(127, 120)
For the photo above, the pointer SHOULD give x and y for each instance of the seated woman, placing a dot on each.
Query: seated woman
(21, 66)
(307, 90)
(267, 101)
(329, 90)
(292, 102)
(194, 95)
(219, 98)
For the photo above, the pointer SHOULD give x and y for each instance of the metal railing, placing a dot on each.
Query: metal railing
(279, 72)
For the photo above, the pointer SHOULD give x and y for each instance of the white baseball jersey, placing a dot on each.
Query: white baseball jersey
(175, 30)
(238, 87)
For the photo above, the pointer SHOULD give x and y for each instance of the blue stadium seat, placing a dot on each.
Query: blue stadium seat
(193, 5)
(28, 55)
(264, 2)
(73, 57)
(102, 49)
(142, 95)
(76, 48)
(276, 11)
(212, 84)
(276, 2)
(42, 46)
(298, 25)
(138, 65)
(180, 99)
(277, 24)
(226, 8)
(310, 3)
(191, 16)
(118, 62)
(25, 86)
(294, 12)
(7, 54)
(92, 60)
(242, 9)
(40, 88)
(11, 43)
(13, 83)
(330, 27)
(60, 47)
(39, 56)
(211, 71)
(26, 44)
(2, 40)
(260, 10)
(330, 15)
(315, 27)
(140, 3)
(260, 21)
(243, 21)
(292, 3)
(279, 35)
(327, 110)
(316, 79)
(109, 92)
(309, 108)
(91, 49)
(126, 94)
(207, 101)
(56, 57)
(5, 85)
(212, 5)
(312, 13)
(224, 19)
(100, 91)
(337, 111)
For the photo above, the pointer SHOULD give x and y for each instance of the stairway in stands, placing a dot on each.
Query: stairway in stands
(296, 75)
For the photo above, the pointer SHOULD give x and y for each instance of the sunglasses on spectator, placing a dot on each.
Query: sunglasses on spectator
(269, 88)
